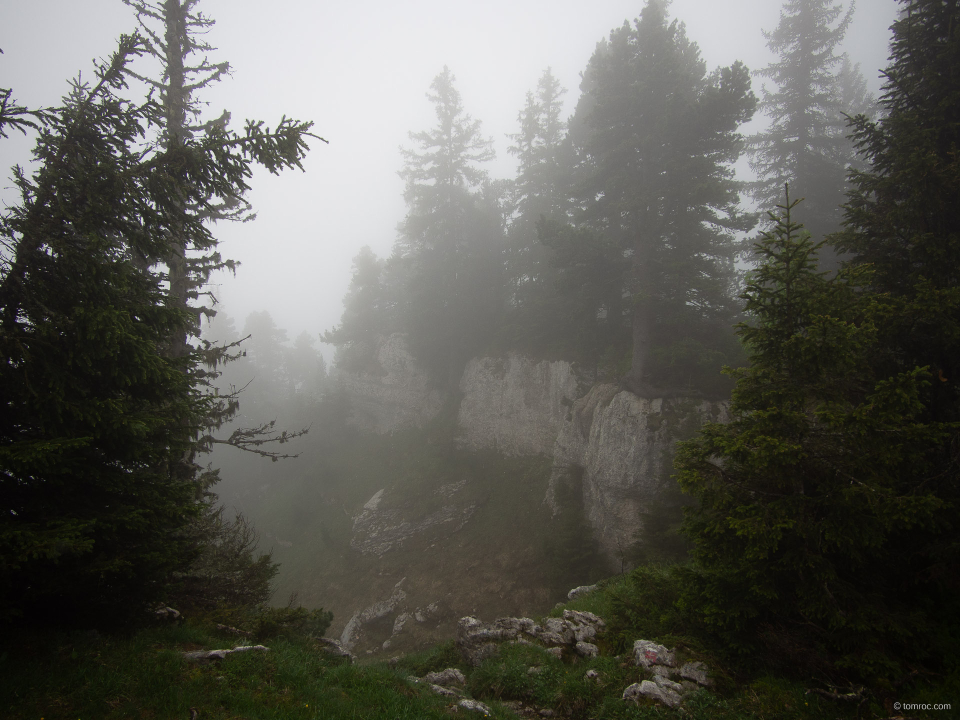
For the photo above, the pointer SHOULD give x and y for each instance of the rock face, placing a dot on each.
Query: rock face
(619, 446)
(514, 405)
(377, 530)
(402, 396)
(624, 446)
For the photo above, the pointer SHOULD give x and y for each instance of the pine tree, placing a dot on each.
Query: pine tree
(806, 143)
(365, 316)
(818, 502)
(450, 239)
(95, 420)
(537, 318)
(656, 136)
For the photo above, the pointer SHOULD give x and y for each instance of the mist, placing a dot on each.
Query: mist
(361, 72)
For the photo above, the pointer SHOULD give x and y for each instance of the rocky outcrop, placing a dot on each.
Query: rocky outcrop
(617, 445)
(378, 626)
(514, 405)
(478, 640)
(401, 395)
(377, 530)
(623, 446)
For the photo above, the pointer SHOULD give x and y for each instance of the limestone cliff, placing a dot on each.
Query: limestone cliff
(514, 405)
(623, 446)
(401, 395)
(618, 445)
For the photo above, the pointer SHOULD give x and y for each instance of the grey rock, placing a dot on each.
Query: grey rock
(650, 689)
(513, 404)
(377, 530)
(580, 591)
(399, 396)
(556, 652)
(697, 672)
(448, 677)
(587, 649)
(354, 627)
(624, 444)
(333, 647)
(208, 655)
(440, 690)
(647, 653)
(664, 682)
(477, 640)
(591, 675)
(475, 706)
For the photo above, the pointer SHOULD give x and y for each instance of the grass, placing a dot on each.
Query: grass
(63, 676)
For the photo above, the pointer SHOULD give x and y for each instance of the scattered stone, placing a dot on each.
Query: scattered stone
(440, 690)
(353, 630)
(477, 640)
(648, 653)
(228, 629)
(332, 647)
(698, 672)
(587, 649)
(556, 652)
(450, 676)
(167, 613)
(474, 705)
(662, 670)
(547, 712)
(666, 683)
(535, 670)
(580, 591)
(400, 621)
(591, 675)
(208, 655)
(650, 689)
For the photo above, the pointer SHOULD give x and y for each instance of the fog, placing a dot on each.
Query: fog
(360, 72)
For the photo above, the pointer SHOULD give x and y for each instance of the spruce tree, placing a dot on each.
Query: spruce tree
(538, 318)
(656, 136)
(95, 420)
(449, 244)
(816, 506)
(816, 88)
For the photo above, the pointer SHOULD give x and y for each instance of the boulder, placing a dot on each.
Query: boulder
(648, 653)
(587, 649)
(697, 672)
(475, 706)
(580, 591)
(209, 655)
(649, 689)
(446, 678)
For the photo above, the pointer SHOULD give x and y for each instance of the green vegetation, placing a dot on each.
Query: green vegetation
(85, 675)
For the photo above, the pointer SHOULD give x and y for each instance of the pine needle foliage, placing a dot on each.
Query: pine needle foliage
(819, 500)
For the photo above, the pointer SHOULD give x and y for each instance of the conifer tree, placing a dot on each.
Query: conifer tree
(816, 506)
(816, 88)
(95, 420)
(656, 136)
(449, 242)
(537, 318)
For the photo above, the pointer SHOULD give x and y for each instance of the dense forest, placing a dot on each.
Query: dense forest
(822, 299)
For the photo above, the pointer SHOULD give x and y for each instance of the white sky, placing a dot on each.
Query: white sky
(360, 71)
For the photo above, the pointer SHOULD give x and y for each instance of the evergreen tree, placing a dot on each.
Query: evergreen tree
(105, 403)
(537, 319)
(450, 240)
(95, 420)
(828, 506)
(806, 143)
(365, 316)
(657, 136)
(820, 502)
